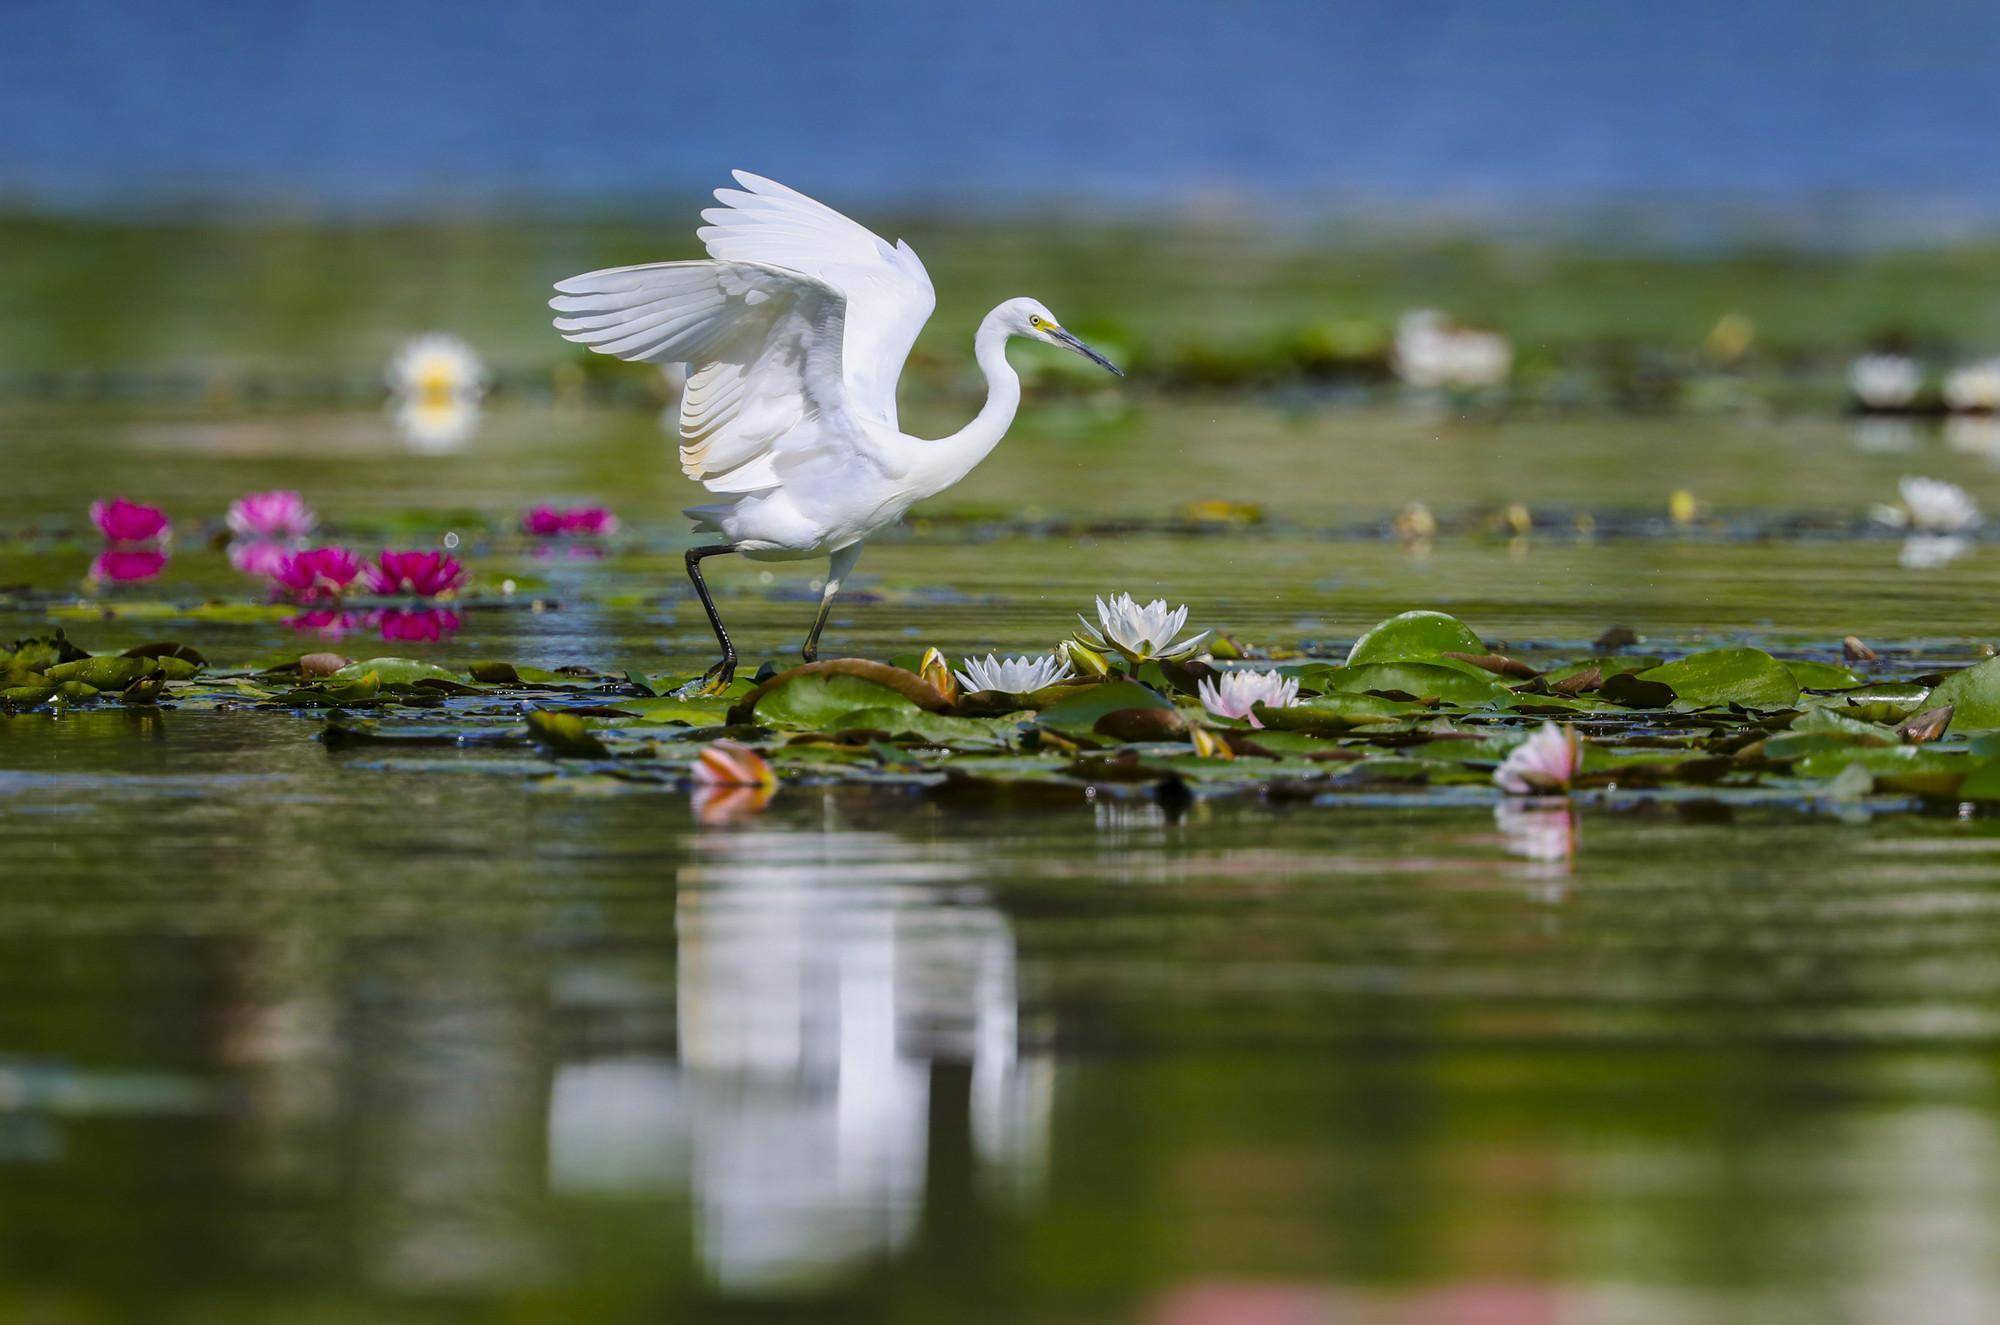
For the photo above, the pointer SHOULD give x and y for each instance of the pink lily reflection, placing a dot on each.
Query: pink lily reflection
(420, 625)
(128, 565)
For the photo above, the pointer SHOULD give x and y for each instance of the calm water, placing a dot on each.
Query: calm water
(326, 1036)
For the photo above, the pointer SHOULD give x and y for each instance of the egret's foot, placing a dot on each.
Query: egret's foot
(810, 653)
(711, 682)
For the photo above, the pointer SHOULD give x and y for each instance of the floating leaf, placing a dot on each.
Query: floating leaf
(106, 673)
(1628, 690)
(1080, 711)
(811, 696)
(1750, 678)
(1974, 696)
(1913, 770)
(167, 649)
(565, 735)
(1422, 681)
(397, 671)
(1414, 636)
(1141, 724)
(1820, 675)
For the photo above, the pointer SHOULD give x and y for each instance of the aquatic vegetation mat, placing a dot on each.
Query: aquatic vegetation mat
(1419, 705)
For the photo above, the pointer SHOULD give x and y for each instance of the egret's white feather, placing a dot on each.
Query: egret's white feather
(889, 294)
(764, 344)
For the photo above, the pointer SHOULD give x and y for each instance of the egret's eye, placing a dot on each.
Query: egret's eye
(1034, 319)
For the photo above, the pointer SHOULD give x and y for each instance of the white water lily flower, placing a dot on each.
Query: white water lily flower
(1935, 506)
(1546, 762)
(1976, 386)
(435, 369)
(1140, 633)
(1013, 676)
(1433, 353)
(1884, 381)
(1237, 694)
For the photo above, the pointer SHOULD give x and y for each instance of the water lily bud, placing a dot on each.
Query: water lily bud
(1086, 660)
(1682, 507)
(732, 764)
(937, 671)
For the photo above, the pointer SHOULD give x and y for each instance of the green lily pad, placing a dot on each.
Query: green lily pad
(1424, 681)
(1974, 696)
(1820, 675)
(1080, 711)
(1414, 636)
(565, 735)
(397, 671)
(1913, 770)
(103, 673)
(813, 701)
(1747, 677)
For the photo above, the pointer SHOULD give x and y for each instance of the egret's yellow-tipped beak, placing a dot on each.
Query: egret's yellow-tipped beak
(1067, 341)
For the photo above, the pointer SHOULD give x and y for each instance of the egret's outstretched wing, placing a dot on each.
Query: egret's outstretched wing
(889, 294)
(763, 346)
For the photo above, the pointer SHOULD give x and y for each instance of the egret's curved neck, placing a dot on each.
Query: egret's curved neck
(970, 444)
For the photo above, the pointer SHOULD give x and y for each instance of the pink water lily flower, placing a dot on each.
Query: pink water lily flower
(124, 521)
(426, 624)
(128, 565)
(1546, 762)
(575, 521)
(320, 572)
(280, 514)
(423, 573)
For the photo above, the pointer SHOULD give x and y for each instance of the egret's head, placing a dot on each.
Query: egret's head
(1032, 319)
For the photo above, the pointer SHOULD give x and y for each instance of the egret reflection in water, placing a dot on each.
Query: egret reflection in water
(841, 1026)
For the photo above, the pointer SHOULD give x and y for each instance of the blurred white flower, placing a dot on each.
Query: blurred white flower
(1237, 694)
(1974, 387)
(1013, 676)
(1931, 505)
(1434, 353)
(1930, 551)
(1546, 762)
(1884, 381)
(437, 367)
(1140, 633)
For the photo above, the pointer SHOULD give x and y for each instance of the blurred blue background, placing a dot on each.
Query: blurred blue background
(1841, 113)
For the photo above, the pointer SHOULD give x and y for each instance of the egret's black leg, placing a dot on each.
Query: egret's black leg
(843, 562)
(723, 672)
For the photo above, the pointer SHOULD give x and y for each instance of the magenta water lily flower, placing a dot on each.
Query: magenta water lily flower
(280, 514)
(128, 565)
(124, 521)
(426, 574)
(1547, 762)
(574, 522)
(320, 572)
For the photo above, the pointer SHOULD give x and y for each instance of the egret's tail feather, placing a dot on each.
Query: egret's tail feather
(708, 519)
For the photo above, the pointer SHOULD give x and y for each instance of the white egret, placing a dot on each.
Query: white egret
(794, 333)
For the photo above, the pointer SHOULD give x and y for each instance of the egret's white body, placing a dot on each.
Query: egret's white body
(794, 334)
